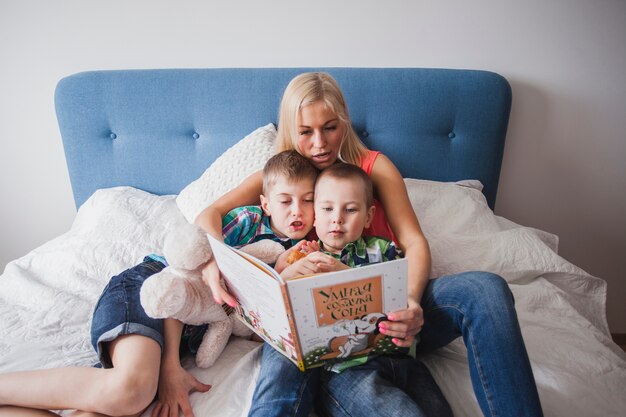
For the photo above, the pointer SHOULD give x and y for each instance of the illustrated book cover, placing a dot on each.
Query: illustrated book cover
(315, 319)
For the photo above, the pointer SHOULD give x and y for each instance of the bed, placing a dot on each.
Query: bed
(147, 149)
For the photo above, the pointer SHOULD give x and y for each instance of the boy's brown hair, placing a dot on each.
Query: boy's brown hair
(290, 165)
(342, 170)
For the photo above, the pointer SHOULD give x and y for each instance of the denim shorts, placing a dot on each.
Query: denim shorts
(119, 311)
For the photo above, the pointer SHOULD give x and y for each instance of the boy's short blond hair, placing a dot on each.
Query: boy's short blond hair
(342, 170)
(290, 165)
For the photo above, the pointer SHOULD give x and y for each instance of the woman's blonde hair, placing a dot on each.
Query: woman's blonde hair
(306, 89)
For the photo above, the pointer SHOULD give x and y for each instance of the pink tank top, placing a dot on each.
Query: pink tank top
(380, 226)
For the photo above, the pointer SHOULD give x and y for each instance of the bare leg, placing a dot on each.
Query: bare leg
(10, 411)
(89, 414)
(126, 389)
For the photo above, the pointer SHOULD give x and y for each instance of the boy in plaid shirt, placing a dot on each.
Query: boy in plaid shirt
(343, 209)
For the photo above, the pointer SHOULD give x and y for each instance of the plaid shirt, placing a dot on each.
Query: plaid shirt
(244, 225)
(249, 224)
(366, 250)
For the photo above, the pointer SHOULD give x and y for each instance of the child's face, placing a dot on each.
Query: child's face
(341, 212)
(290, 207)
(319, 134)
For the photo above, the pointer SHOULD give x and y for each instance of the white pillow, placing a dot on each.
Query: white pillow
(226, 172)
(450, 207)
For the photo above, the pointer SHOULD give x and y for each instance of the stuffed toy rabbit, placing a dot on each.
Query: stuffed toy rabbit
(178, 290)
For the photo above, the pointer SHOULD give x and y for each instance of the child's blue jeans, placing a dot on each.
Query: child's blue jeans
(118, 312)
(385, 386)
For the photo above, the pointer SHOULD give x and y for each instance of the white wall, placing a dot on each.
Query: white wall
(564, 167)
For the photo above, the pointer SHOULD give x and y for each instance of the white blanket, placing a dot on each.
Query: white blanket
(47, 296)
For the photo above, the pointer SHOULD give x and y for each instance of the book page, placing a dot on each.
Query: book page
(336, 314)
(261, 305)
(260, 264)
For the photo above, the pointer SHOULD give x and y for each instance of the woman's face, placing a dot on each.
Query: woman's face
(320, 133)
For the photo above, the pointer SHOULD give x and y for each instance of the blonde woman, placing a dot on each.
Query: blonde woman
(314, 120)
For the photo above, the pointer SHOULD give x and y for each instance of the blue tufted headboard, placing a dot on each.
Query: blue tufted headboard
(158, 130)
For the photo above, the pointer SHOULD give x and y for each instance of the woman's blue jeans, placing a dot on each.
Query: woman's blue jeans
(475, 305)
(479, 307)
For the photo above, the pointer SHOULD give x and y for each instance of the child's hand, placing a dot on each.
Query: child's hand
(175, 385)
(302, 249)
(283, 260)
(304, 246)
(338, 266)
(313, 263)
(308, 246)
(403, 325)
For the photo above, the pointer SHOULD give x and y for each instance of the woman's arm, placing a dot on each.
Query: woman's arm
(245, 194)
(393, 195)
(210, 219)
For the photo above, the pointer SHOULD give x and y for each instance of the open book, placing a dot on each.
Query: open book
(316, 318)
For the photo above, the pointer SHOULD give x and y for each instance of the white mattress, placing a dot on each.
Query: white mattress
(46, 298)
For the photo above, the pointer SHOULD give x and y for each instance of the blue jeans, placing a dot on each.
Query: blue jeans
(387, 386)
(479, 307)
(475, 305)
(118, 312)
(384, 386)
(282, 389)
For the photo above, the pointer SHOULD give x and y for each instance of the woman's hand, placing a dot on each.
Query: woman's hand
(313, 263)
(212, 277)
(175, 385)
(404, 324)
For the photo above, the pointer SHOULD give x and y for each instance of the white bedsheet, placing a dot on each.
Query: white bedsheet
(46, 298)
